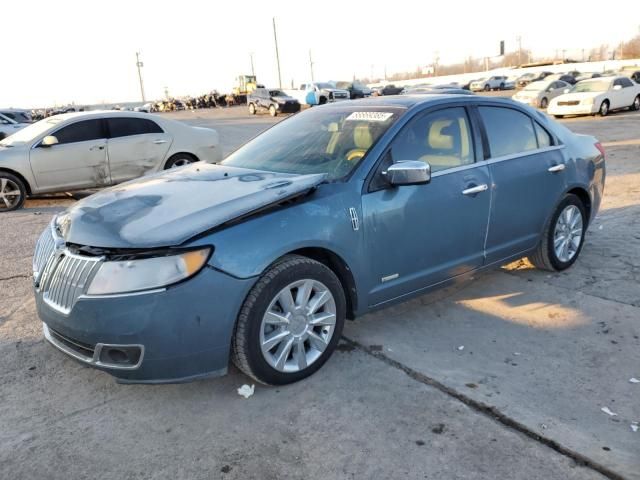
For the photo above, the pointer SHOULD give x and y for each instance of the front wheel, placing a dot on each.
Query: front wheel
(290, 323)
(487, 88)
(563, 237)
(13, 192)
(636, 103)
(544, 103)
(252, 109)
(272, 111)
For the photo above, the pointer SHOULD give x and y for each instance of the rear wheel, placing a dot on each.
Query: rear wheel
(252, 109)
(13, 192)
(487, 87)
(502, 86)
(563, 237)
(559, 116)
(544, 103)
(603, 111)
(180, 160)
(636, 103)
(290, 323)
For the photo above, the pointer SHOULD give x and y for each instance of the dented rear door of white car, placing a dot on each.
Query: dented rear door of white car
(136, 146)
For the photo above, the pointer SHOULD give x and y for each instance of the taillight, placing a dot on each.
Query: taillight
(600, 148)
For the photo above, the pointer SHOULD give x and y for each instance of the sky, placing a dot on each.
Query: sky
(84, 51)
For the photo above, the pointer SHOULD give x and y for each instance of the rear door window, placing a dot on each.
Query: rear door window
(124, 127)
(544, 139)
(509, 131)
(83, 131)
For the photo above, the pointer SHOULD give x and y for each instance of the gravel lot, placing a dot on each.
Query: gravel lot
(543, 353)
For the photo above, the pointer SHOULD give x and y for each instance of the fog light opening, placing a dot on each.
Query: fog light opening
(117, 356)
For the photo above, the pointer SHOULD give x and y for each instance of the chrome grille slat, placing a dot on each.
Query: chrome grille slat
(60, 275)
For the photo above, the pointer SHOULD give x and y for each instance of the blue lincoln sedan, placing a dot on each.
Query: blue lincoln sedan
(330, 214)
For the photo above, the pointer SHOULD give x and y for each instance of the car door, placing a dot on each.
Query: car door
(628, 93)
(557, 88)
(420, 235)
(527, 170)
(79, 159)
(136, 146)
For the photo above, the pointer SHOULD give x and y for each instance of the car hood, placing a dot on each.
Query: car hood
(285, 98)
(171, 207)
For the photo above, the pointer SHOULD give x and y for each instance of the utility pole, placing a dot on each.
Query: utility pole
(311, 66)
(139, 64)
(519, 38)
(275, 38)
(253, 71)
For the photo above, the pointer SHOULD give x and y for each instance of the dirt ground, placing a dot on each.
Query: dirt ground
(542, 354)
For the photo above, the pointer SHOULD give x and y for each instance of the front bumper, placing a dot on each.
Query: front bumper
(181, 332)
(579, 109)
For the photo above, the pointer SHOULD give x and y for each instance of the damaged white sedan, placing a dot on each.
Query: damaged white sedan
(96, 149)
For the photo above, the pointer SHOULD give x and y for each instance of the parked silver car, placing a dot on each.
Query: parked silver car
(540, 93)
(96, 149)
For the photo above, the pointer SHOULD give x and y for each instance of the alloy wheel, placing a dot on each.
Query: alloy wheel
(298, 325)
(181, 162)
(567, 235)
(9, 194)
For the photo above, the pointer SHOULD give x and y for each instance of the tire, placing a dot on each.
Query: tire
(252, 109)
(502, 86)
(545, 256)
(272, 110)
(559, 116)
(2, 135)
(180, 160)
(487, 87)
(252, 329)
(544, 103)
(636, 103)
(13, 192)
(322, 100)
(603, 111)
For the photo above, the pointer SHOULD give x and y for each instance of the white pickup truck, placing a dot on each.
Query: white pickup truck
(318, 93)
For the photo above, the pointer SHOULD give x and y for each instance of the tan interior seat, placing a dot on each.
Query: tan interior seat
(362, 139)
(445, 151)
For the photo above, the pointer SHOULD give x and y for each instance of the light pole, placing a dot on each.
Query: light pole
(275, 38)
(139, 64)
(253, 71)
(311, 66)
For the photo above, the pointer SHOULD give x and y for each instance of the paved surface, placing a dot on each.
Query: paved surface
(542, 354)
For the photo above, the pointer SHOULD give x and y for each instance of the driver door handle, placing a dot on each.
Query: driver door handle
(159, 142)
(556, 168)
(477, 189)
(96, 147)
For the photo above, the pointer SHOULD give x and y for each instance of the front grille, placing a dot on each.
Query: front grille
(60, 275)
(82, 348)
(44, 249)
(340, 95)
(569, 103)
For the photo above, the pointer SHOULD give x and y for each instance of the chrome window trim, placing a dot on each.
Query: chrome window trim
(491, 161)
(95, 360)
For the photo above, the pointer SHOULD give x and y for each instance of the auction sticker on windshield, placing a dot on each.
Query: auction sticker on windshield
(370, 116)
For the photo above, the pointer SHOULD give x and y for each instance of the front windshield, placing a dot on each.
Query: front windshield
(324, 85)
(344, 85)
(323, 140)
(32, 131)
(597, 86)
(277, 93)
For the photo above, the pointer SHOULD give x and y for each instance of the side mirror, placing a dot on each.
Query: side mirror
(408, 172)
(49, 141)
(566, 90)
(617, 87)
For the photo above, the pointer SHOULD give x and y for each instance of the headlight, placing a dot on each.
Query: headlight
(587, 101)
(146, 273)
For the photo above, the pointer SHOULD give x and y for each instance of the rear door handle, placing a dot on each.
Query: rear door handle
(556, 168)
(96, 147)
(159, 142)
(477, 189)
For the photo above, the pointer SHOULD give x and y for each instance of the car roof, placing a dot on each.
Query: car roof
(103, 114)
(412, 100)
